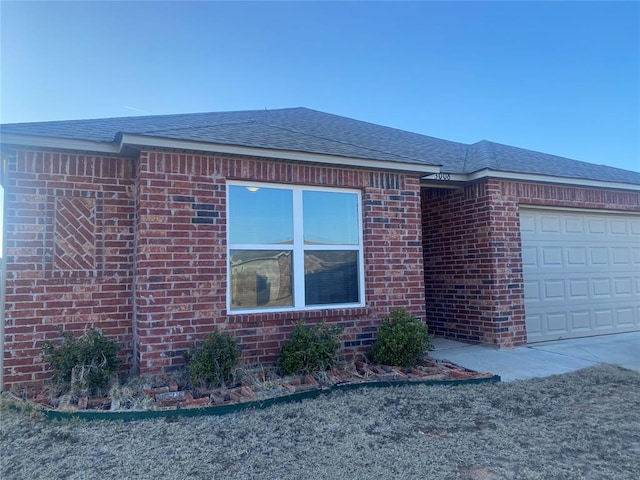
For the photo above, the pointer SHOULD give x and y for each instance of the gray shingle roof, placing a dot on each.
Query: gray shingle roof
(290, 129)
(504, 158)
(310, 131)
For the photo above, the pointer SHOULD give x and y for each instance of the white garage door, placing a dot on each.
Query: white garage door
(581, 273)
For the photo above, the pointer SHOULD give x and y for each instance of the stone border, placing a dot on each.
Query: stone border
(131, 415)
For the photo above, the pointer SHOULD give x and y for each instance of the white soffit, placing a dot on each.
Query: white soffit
(456, 179)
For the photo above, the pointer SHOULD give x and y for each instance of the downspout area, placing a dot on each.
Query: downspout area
(135, 355)
(3, 263)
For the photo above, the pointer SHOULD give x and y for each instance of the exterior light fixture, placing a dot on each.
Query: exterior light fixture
(253, 189)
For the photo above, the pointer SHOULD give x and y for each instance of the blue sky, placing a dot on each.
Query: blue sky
(557, 77)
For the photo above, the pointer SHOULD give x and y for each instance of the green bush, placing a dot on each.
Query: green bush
(84, 364)
(402, 340)
(215, 361)
(310, 349)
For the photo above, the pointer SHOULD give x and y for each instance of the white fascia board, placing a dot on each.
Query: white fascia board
(59, 143)
(456, 178)
(144, 141)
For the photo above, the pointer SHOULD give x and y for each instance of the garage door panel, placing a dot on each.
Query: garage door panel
(534, 325)
(550, 224)
(527, 222)
(623, 286)
(620, 255)
(574, 225)
(551, 256)
(529, 256)
(570, 225)
(601, 288)
(599, 256)
(580, 321)
(624, 316)
(596, 226)
(578, 288)
(580, 273)
(554, 289)
(576, 257)
(604, 318)
(557, 323)
(618, 227)
(532, 290)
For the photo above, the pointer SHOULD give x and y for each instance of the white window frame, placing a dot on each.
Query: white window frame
(297, 249)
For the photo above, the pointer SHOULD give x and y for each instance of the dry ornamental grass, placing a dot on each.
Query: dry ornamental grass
(582, 425)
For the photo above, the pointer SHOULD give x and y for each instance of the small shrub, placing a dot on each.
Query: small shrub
(402, 340)
(310, 349)
(215, 362)
(84, 364)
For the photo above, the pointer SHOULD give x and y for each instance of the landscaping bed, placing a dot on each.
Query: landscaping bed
(214, 380)
(151, 396)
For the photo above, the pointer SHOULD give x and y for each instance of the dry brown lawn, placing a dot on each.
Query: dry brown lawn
(582, 425)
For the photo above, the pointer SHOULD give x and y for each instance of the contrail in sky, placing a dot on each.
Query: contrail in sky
(135, 109)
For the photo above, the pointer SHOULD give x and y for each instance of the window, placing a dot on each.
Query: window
(293, 248)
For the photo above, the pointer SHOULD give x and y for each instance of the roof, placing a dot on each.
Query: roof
(310, 131)
(485, 155)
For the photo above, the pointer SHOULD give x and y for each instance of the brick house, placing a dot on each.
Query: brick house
(158, 230)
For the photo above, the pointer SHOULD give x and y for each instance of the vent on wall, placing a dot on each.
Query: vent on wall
(386, 181)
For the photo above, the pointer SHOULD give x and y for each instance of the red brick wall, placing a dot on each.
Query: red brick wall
(181, 255)
(69, 247)
(473, 266)
(71, 255)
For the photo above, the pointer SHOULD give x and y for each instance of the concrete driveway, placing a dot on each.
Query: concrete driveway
(542, 359)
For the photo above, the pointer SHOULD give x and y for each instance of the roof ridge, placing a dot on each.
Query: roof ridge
(491, 153)
(377, 125)
(466, 158)
(487, 153)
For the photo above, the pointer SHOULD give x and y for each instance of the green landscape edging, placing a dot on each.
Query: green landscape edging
(130, 415)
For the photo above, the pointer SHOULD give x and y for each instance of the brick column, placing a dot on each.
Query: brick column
(180, 257)
(473, 267)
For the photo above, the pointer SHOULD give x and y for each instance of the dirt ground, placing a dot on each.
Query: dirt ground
(582, 425)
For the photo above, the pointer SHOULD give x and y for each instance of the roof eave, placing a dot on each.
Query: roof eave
(126, 142)
(144, 141)
(58, 143)
(455, 180)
